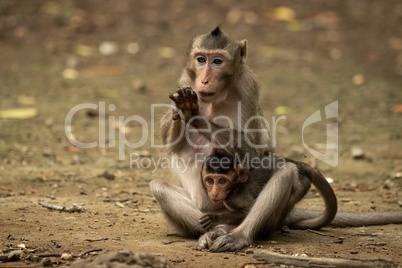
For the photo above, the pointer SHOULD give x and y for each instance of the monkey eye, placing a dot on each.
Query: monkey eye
(201, 59)
(210, 181)
(222, 181)
(218, 61)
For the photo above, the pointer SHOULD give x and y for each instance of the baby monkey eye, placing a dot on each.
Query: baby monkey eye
(201, 59)
(222, 181)
(210, 181)
(218, 61)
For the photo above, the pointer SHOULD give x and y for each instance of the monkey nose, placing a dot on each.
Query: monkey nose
(205, 82)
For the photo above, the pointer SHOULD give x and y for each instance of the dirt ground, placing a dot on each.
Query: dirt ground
(127, 55)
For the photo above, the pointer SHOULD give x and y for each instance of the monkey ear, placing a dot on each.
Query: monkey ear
(242, 173)
(243, 51)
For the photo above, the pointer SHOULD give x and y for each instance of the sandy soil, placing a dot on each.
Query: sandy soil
(306, 57)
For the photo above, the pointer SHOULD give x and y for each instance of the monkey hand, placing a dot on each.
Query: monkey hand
(186, 101)
(230, 242)
(207, 221)
(207, 239)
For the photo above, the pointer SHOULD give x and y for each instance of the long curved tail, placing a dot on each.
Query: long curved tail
(319, 219)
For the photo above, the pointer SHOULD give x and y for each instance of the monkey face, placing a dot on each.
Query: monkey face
(212, 68)
(213, 64)
(218, 186)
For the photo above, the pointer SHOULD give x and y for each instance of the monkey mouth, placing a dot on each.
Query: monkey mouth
(206, 93)
(216, 201)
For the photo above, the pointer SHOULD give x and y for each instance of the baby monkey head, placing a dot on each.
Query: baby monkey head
(220, 174)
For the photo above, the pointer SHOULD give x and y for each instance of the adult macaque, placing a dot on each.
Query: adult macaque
(217, 101)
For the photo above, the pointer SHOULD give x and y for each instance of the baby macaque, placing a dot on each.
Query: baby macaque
(226, 180)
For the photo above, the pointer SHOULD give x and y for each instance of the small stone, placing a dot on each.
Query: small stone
(70, 74)
(47, 153)
(358, 79)
(67, 256)
(139, 86)
(388, 184)
(133, 48)
(35, 258)
(285, 230)
(46, 262)
(108, 48)
(357, 153)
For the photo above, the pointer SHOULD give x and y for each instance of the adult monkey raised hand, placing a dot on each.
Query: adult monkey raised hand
(218, 98)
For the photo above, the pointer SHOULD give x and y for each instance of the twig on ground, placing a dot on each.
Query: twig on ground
(21, 255)
(172, 241)
(5, 188)
(276, 258)
(365, 234)
(96, 240)
(316, 232)
(73, 208)
(87, 252)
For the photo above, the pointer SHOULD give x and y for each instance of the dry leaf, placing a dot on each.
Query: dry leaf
(83, 50)
(284, 13)
(282, 110)
(120, 204)
(368, 189)
(338, 188)
(23, 113)
(397, 108)
(166, 52)
(26, 100)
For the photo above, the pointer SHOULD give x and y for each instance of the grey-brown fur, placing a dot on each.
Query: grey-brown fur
(183, 206)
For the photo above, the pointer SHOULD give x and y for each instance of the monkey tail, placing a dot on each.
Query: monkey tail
(356, 219)
(345, 219)
(318, 220)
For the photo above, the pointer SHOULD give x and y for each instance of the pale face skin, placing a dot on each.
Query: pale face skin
(210, 66)
(218, 186)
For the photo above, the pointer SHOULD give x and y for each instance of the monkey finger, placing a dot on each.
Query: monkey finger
(217, 245)
(223, 243)
(205, 223)
(189, 92)
(206, 226)
(175, 98)
(204, 216)
(205, 241)
(182, 93)
(194, 97)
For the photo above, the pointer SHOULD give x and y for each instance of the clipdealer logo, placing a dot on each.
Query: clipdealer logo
(148, 131)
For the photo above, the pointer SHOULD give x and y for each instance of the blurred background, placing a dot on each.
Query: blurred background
(58, 54)
(306, 54)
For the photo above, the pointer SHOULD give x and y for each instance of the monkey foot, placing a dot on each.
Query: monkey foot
(230, 242)
(207, 239)
(186, 101)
